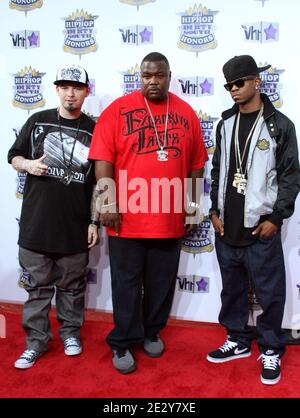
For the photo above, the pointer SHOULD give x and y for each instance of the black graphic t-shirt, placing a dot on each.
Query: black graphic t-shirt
(54, 216)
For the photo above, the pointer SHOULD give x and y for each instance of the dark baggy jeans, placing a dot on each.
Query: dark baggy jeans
(143, 274)
(66, 273)
(262, 265)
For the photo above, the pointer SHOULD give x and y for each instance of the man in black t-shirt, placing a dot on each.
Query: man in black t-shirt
(255, 182)
(59, 222)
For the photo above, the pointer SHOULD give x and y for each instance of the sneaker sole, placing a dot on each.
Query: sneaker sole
(224, 360)
(153, 355)
(24, 365)
(73, 353)
(127, 371)
(270, 382)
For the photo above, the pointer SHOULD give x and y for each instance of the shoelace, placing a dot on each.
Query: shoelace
(228, 345)
(29, 354)
(270, 362)
(71, 341)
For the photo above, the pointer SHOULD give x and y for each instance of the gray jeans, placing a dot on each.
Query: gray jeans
(47, 272)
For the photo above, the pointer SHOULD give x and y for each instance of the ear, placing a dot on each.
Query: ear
(257, 83)
(88, 91)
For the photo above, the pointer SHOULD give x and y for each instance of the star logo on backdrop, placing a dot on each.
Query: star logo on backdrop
(33, 39)
(202, 285)
(206, 87)
(145, 35)
(270, 32)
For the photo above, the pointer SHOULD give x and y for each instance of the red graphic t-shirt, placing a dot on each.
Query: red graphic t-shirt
(150, 193)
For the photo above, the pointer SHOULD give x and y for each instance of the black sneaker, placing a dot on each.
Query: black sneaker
(270, 372)
(230, 350)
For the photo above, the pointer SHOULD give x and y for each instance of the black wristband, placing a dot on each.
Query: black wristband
(97, 223)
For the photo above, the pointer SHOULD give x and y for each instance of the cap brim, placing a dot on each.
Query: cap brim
(266, 67)
(58, 82)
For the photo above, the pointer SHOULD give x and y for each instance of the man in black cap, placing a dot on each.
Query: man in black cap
(255, 182)
(56, 227)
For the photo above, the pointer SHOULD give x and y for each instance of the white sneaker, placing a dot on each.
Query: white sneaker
(27, 359)
(72, 346)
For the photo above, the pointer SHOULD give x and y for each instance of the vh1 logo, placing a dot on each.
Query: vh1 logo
(261, 32)
(25, 39)
(193, 284)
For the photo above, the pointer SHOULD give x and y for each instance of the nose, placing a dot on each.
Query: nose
(153, 80)
(70, 91)
(234, 88)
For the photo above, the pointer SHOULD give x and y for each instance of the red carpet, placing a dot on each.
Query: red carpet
(183, 371)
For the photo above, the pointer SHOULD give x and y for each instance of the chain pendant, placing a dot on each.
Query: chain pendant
(236, 179)
(162, 155)
(241, 188)
(67, 177)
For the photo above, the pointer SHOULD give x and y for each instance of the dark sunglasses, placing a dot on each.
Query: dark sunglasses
(238, 83)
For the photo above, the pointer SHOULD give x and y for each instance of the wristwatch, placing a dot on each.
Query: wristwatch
(194, 205)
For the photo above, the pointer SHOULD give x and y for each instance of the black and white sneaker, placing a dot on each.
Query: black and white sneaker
(230, 350)
(270, 372)
(27, 359)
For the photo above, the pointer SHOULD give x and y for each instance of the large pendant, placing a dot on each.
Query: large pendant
(162, 155)
(241, 188)
(236, 178)
(67, 177)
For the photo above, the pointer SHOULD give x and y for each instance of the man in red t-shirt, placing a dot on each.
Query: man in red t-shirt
(145, 145)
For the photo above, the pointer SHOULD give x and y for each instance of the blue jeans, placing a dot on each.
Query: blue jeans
(262, 265)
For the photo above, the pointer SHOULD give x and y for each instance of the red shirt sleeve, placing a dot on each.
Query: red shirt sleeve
(103, 140)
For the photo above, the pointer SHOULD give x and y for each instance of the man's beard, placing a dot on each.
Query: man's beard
(70, 107)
